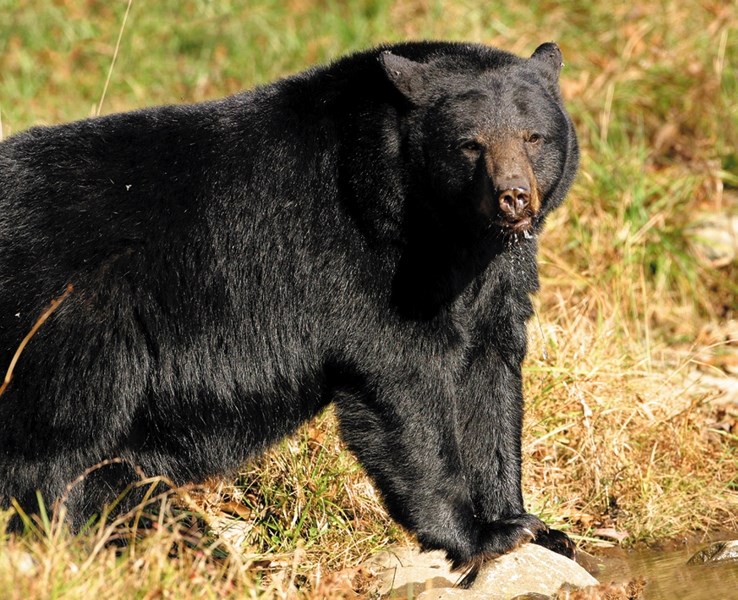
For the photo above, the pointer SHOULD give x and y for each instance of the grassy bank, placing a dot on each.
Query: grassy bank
(627, 434)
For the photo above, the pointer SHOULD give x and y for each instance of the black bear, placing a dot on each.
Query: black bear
(362, 233)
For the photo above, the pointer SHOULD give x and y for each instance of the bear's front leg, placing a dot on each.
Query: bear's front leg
(402, 427)
(490, 416)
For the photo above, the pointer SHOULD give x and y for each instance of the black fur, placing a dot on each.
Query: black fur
(239, 264)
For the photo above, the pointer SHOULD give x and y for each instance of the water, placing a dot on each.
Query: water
(669, 577)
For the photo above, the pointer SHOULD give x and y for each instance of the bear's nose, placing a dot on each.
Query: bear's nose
(514, 201)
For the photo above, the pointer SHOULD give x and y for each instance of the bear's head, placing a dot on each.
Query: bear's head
(487, 138)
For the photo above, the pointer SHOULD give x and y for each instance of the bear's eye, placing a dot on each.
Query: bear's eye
(471, 147)
(534, 138)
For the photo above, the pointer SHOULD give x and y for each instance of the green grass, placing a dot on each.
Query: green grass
(616, 434)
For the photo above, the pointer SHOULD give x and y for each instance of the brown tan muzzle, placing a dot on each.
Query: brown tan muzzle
(514, 200)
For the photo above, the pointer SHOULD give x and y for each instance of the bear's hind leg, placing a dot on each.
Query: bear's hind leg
(36, 486)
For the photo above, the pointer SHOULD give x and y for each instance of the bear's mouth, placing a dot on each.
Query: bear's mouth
(519, 225)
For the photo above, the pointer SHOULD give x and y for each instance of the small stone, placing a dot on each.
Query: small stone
(20, 562)
(714, 238)
(716, 553)
(236, 532)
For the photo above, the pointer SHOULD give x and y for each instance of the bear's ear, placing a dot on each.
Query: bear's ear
(406, 75)
(549, 60)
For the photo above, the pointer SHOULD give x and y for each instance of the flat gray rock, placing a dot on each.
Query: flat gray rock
(530, 569)
(406, 571)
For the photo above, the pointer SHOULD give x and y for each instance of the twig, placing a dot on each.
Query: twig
(40, 321)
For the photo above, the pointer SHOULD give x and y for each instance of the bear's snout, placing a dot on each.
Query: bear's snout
(516, 207)
(514, 202)
(512, 189)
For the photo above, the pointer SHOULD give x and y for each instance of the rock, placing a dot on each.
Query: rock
(234, 531)
(530, 570)
(714, 238)
(19, 562)
(406, 571)
(717, 552)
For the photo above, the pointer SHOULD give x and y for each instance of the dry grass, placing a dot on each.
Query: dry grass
(294, 524)
(620, 439)
(627, 434)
